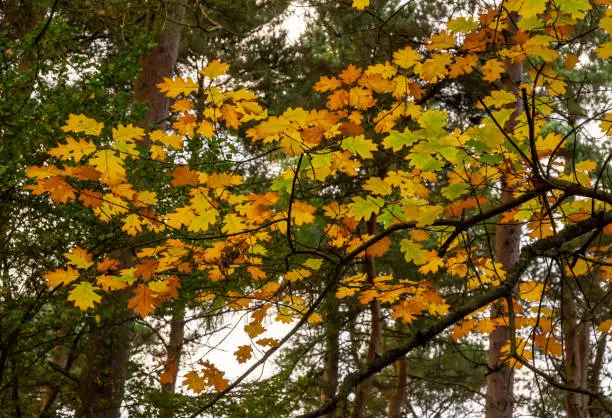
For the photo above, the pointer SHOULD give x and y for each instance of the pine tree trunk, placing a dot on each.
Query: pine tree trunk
(576, 346)
(159, 63)
(398, 396)
(173, 357)
(331, 359)
(361, 394)
(500, 380)
(500, 391)
(594, 406)
(103, 380)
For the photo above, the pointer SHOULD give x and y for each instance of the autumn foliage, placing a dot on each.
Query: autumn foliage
(379, 151)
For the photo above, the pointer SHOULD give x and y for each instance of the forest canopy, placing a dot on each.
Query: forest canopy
(398, 209)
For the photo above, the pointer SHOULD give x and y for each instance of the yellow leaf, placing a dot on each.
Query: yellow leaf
(76, 149)
(344, 291)
(132, 225)
(233, 224)
(378, 186)
(434, 69)
(223, 180)
(81, 123)
(79, 258)
(313, 263)
(256, 273)
(405, 311)
(203, 221)
(442, 40)
(406, 57)
(432, 266)
(214, 69)
(169, 140)
(350, 74)
(499, 98)
(493, 70)
(126, 133)
(379, 248)
(59, 190)
(168, 375)
(361, 4)
(110, 166)
(531, 291)
(315, 318)
(176, 86)
(527, 8)
(385, 70)
(84, 296)
(302, 213)
(606, 124)
(194, 381)
(326, 84)
(268, 342)
(463, 65)
(181, 105)
(297, 275)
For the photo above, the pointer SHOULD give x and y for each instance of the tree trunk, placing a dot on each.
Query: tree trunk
(576, 346)
(500, 391)
(103, 380)
(361, 394)
(159, 63)
(396, 400)
(175, 350)
(594, 406)
(331, 359)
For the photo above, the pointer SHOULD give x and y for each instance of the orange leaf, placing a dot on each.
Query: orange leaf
(144, 301)
(350, 74)
(244, 353)
(60, 276)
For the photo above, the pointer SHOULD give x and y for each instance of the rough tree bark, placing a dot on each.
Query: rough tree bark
(159, 63)
(175, 350)
(576, 347)
(361, 394)
(331, 309)
(398, 396)
(500, 379)
(594, 406)
(103, 380)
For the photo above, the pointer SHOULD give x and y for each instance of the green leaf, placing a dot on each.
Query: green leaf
(413, 252)
(364, 208)
(397, 140)
(359, 145)
(577, 8)
(84, 295)
(453, 191)
(425, 162)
